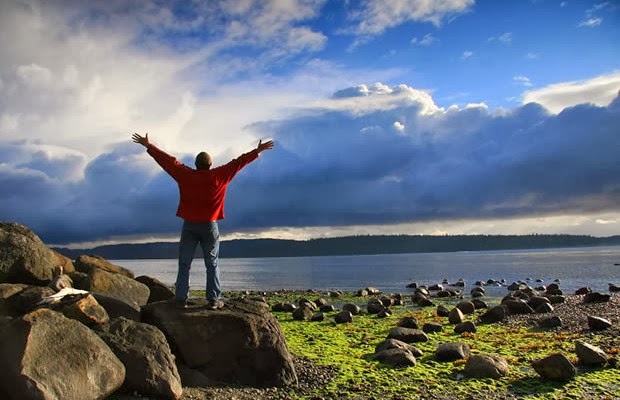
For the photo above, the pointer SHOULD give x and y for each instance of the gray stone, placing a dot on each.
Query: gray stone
(493, 314)
(550, 322)
(407, 335)
(396, 357)
(302, 313)
(409, 322)
(120, 285)
(239, 343)
(598, 323)
(455, 316)
(395, 343)
(343, 317)
(432, 327)
(354, 309)
(589, 354)
(149, 364)
(452, 351)
(486, 366)
(48, 356)
(463, 327)
(466, 307)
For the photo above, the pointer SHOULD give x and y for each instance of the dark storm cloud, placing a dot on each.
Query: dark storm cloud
(336, 167)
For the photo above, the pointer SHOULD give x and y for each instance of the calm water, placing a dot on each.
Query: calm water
(574, 268)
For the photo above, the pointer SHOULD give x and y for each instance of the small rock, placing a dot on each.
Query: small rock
(452, 351)
(598, 323)
(409, 322)
(343, 317)
(494, 314)
(466, 307)
(395, 343)
(596, 297)
(442, 311)
(396, 357)
(555, 367)
(589, 354)
(486, 366)
(318, 317)
(432, 327)
(302, 314)
(455, 316)
(463, 327)
(354, 309)
(407, 335)
(550, 322)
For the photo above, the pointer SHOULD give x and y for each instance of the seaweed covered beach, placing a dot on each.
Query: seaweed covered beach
(335, 361)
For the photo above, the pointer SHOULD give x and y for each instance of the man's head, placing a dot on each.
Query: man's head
(203, 160)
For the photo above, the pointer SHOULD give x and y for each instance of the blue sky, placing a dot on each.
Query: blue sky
(389, 116)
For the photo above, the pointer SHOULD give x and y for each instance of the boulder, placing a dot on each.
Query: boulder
(84, 309)
(396, 357)
(6, 291)
(432, 327)
(589, 354)
(543, 308)
(452, 351)
(302, 314)
(288, 307)
(159, 291)
(535, 301)
(493, 314)
(466, 307)
(116, 306)
(409, 322)
(407, 335)
(442, 311)
(239, 343)
(327, 308)
(65, 262)
(149, 364)
(517, 307)
(48, 356)
(318, 317)
(343, 317)
(479, 304)
(99, 280)
(29, 298)
(555, 367)
(354, 309)
(455, 316)
(24, 258)
(598, 323)
(88, 264)
(463, 327)
(374, 306)
(486, 366)
(398, 344)
(596, 297)
(550, 322)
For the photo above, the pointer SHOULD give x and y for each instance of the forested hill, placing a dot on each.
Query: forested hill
(351, 245)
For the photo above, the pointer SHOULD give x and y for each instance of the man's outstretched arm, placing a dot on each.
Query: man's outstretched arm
(268, 145)
(143, 140)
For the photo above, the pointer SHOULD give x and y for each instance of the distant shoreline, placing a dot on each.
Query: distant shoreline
(352, 245)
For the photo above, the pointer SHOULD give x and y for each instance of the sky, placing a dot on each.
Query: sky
(388, 116)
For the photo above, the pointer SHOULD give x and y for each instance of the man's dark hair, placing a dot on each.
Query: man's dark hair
(203, 160)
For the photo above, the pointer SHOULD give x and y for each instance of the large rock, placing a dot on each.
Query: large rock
(407, 335)
(240, 343)
(555, 367)
(117, 306)
(159, 290)
(589, 354)
(149, 363)
(452, 351)
(87, 310)
(87, 264)
(486, 366)
(45, 355)
(6, 291)
(99, 280)
(396, 357)
(493, 314)
(24, 258)
(455, 316)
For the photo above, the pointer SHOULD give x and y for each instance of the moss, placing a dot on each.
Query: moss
(350, 347)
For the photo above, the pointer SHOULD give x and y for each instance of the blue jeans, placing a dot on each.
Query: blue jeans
(208, 235)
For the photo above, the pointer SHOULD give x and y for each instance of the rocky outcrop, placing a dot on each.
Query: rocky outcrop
(48, 356)
(240, 343)
(88, 264)
(159, 291)
(146, 355)
(99, 280)
(23, 256)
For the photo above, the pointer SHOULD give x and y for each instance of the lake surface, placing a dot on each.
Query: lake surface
(574, 267)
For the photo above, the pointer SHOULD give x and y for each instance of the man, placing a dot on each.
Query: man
(202, 192)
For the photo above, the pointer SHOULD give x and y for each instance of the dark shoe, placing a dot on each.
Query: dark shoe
(215, 304)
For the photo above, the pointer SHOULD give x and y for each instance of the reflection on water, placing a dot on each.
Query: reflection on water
(575, 268)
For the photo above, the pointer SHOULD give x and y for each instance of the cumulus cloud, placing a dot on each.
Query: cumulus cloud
(600, 91)
(371, 154)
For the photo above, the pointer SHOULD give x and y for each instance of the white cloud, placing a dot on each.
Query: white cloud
(467, 54)
(426, 40)
(590, 22)
(376, 16)
(505, 38)
(523, 80)
(600, 91)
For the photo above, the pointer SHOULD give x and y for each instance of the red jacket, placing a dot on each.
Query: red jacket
(202, 192)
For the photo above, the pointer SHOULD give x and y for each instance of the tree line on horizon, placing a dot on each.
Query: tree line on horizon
(350, 245)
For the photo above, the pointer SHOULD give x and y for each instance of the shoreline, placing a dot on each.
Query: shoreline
(320, 380)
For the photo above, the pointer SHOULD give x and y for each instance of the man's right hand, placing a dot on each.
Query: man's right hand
(143, 140)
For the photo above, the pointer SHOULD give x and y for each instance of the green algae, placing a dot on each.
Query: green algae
(349, 347)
